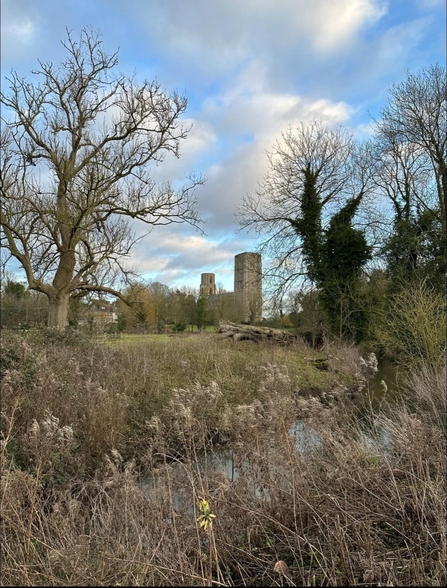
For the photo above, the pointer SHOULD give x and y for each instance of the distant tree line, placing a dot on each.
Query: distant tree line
(150, 307)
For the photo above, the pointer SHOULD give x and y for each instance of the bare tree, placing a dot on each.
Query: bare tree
(411, 138)
(313, 171)
(76, 152)
(414, 122)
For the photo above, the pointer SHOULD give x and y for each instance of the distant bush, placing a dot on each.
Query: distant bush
(17, 356)
(42, 335)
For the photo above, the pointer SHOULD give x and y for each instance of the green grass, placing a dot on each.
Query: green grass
(130, 338)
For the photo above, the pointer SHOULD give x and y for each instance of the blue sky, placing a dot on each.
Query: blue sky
(251, 69)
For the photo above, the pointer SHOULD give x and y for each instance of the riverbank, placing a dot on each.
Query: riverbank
(84, 423)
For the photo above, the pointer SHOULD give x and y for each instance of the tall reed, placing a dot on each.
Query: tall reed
(107, 452)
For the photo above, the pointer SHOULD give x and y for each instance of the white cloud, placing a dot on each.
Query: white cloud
(171, 256)
(19, 27)
(253, 118)
(219, 36)
(201, 140)
(20, 31)
(250, 106)
(231, 134)
(391, 52)
(340, 20)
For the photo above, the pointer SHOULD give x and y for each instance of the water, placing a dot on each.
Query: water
(305, 436)
(384, 385)
(382, 388)
(222, 461)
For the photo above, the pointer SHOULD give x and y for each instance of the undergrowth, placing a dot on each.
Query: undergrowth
(109, 468)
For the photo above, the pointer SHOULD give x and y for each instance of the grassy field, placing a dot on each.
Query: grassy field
(131, 338)
(84, 422)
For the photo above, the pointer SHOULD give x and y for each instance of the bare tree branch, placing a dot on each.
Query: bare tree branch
(76, 169)
(340, 172)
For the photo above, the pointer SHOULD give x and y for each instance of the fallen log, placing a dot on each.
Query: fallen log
(238, 332)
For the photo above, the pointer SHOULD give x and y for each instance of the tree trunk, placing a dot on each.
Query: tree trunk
(58, 311)
(229, 330)
(238, 332)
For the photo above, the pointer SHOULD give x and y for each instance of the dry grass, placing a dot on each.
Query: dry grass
(104, 461)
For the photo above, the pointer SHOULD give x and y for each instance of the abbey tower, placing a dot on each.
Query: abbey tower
(246, 301)
(248, 286)
(207, 284)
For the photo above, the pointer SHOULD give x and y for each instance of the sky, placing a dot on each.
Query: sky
(251, 69)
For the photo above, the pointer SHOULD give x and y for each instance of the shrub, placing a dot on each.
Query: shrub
(415, 326)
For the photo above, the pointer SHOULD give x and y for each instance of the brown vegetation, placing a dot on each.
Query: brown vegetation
(109, 456)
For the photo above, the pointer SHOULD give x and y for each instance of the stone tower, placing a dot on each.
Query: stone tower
(248, 286)
(207, 284)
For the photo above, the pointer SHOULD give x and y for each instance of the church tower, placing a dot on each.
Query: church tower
(248, 286)
(207, 285)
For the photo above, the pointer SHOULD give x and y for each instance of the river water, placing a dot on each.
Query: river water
(382, 388)
(384, 385)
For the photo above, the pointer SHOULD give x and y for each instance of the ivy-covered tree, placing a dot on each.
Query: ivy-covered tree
(305, 211)
(411, 143)
(309, 225)
(344, 255)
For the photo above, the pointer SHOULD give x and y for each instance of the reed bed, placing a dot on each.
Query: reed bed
(109, 470)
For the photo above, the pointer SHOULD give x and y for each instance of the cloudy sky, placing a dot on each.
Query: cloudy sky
(250, 69)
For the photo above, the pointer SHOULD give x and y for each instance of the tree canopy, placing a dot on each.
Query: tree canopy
(78, 145)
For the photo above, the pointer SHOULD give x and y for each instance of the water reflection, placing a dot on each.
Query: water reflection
(304, 435)
(384, 385)
(377, 439)
(374, 436)
(223, 462)
(382, 389)
(207, 465)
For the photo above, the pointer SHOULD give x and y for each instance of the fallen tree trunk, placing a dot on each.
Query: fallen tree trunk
(237, 332)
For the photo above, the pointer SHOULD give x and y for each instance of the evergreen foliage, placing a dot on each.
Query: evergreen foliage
(416, 251)
(201, 313)
(345, 254)
(14, 289)
(334, 258)
(308, 226)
